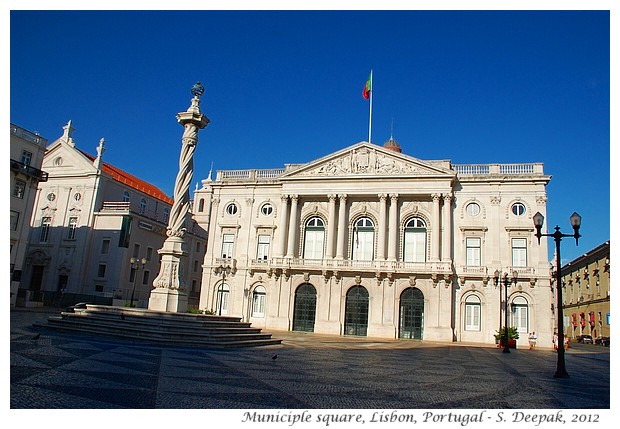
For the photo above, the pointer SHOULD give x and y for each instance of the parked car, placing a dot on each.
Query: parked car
(603, 341)
(585, 339)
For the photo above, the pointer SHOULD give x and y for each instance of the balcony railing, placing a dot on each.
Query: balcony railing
(242, 175)
(506, 169)
(35, 173)
(126, 206)
(349, 265)
(27, 135)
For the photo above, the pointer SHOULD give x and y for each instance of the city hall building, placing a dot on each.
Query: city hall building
(368, 241)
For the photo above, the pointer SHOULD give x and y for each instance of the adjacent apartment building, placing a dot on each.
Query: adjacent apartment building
(369, 241)
(27, 151)
(586, 287)
(95, 232)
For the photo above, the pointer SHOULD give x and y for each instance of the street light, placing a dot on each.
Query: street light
(223, 270)
(135, 265)
(575, 221)
(499, 278)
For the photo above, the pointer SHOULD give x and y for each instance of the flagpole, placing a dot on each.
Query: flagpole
(372, 90)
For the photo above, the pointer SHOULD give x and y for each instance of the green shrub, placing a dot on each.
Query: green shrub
(513, 334)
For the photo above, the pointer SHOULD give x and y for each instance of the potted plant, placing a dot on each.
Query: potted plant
(513, 336)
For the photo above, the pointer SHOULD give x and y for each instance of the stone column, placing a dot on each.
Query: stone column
(342, 226)
(292, 227)
(382, 227)
(283, 231)
(393, 227)
(169, 289)
(446, 241)
(331, 226)
(435, 226)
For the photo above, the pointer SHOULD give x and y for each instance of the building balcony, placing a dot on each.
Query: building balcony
(34, 173)
(343, 266)
(126, 207)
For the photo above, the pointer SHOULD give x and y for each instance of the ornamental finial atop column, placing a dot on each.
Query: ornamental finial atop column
(198, 89)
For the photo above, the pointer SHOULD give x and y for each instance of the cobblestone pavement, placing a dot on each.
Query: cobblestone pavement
(56, 370)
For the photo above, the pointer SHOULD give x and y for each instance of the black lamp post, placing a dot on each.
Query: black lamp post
(135, 265)
(575, 221)
(223, 270)
(500, 278)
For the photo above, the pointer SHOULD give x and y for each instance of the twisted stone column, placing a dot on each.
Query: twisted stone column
(168, 293)
(180, 208)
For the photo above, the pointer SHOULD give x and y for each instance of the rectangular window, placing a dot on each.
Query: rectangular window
(196, 263)
(105, 246)
(101, 271)
(519, 318)
(72, 228)
(519, 252)
(26, 157)
(258, 305)
(228, 242)
(198, 247)
(149, 253)
(19, 189)
(145, 277)
(363, 245)
(136, 250)
(14, 220)
(472, 317)
(123, 239)
(45, 229)
(263, 247)
(415, 246)
(472, 245)
(132, 275)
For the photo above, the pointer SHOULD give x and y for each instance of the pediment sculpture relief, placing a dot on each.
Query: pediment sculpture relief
(365, 161)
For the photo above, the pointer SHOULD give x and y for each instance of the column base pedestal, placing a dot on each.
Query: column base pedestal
(172, 301)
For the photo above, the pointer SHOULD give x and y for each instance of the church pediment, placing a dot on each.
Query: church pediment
(365, 159)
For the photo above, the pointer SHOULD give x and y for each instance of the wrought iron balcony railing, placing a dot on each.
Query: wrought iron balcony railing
(35, 173)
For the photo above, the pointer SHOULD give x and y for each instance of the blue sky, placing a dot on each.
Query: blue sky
(286, 87)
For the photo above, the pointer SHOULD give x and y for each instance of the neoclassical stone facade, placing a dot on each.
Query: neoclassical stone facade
(369, 241)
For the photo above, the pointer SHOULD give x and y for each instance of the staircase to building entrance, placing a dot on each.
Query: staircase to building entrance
(159, 327)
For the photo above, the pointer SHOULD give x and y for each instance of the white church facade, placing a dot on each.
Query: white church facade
(369, 241)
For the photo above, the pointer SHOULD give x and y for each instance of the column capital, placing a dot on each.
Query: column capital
(332, 197)
(342, 197)
(382, 197)
(447, 198)
(284, 198)
(294, 197)
(393, 197)
(435, 196)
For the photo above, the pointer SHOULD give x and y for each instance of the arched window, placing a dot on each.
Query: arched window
(520, 316)
(142, 206)
(221, 304)
(314, 237)
(363, 240)
(126, 196)
(166, 214)
(472, 313)
(415, 241)
(258, 301)
(201, 205)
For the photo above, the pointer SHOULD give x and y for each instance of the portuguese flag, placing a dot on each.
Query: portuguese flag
(367, 87)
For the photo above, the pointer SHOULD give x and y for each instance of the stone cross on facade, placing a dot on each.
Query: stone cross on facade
(169, 289)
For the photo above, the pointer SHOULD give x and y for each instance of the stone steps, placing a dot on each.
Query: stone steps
(160, 327)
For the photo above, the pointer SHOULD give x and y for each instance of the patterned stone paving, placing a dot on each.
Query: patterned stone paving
(71, 371)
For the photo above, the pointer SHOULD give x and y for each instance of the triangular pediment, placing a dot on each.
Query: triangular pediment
(369, 160)
(63, 159)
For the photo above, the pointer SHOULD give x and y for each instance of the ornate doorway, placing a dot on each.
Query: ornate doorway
(411, 314)
(304, 312)
(356, 312)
